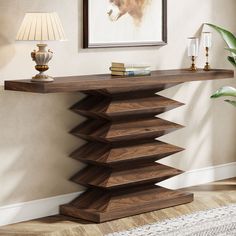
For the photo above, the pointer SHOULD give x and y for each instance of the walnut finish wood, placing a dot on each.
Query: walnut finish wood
(111, 205)
(98, 82)
(105, 155)
(121, 149)
(124, 176)
(121, 152)
(124, 131)
(108, 108)
(131, 91)
(208, 196)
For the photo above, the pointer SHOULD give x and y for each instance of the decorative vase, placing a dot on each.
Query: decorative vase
(42, 58)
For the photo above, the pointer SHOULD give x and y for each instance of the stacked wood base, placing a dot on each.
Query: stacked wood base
(121, 131)
(100, 206)
(121, 154)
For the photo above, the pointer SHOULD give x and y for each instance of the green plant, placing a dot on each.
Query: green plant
(230, 40)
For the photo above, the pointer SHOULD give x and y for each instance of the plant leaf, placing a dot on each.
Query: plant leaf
(232, 61)
(233, 50)
(228, 37)
(226, 91)
(231, 102)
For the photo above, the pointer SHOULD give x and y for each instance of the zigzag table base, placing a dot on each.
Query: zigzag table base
(100, 206)
(121, 131)
(121, 154)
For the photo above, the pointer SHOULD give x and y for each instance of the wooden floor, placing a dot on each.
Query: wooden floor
(218, 194)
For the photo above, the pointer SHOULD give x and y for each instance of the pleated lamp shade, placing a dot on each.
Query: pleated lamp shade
(41, 27)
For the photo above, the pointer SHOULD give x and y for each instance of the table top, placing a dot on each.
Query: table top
(106, 81)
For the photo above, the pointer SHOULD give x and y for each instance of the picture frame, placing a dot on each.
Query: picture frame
(94, 19)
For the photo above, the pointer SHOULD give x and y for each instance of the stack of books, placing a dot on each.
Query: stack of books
(123, 69)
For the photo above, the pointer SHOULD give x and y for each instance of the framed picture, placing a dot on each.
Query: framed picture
(124, 23)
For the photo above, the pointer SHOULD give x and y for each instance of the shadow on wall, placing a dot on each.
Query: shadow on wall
(225, 114)
(207, 138)
(10, 18)
(7, 35)
(190, 94)
(209, 126)
(7, 50)
(35, 146)
(34, 140)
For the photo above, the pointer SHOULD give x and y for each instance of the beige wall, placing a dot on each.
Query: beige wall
(34, 140)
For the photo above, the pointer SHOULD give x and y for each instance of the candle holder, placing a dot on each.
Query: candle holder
(193, 49)
(207, 66)
(193, 66)
(207, 41)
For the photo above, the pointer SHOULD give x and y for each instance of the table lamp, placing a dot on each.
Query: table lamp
(41, 27)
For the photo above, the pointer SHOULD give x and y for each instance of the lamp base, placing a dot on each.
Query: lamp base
(42, 58)
(41, 77)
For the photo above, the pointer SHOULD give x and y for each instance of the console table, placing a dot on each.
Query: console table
(122, 150)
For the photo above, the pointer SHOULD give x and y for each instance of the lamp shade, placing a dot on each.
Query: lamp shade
(41, 27)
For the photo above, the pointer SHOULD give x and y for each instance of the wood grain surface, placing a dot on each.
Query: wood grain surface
(115, 205)
(121, 132)
(124, 176)
(105, 155)
(106, 81)
(207, 196)
(102, 131)
(121, 152)
(94, 106)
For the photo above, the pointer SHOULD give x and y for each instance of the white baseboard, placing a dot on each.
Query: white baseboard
(49, 206)
(201, 176)
(34, 209)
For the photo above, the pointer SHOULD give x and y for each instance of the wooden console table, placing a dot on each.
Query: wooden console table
(121, 151)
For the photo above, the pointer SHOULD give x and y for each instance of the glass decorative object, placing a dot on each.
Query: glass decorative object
(207, 42)
(193, 50)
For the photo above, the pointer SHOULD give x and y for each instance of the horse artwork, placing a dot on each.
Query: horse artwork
(135, 8)
(122, 23)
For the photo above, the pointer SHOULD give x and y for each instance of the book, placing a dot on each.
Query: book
(132, 73)
(124, 69)
(127, 65)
